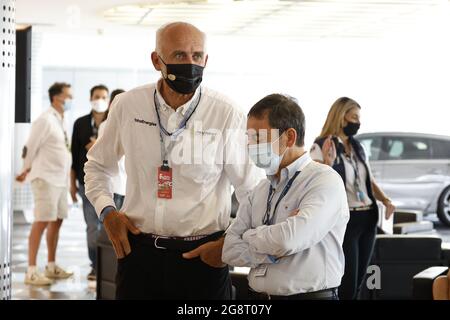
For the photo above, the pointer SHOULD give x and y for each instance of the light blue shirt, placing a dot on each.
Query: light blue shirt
(308, 245)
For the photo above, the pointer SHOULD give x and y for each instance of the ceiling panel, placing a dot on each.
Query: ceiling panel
(291, 19)
(302, 19)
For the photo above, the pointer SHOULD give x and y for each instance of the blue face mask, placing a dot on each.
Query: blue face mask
(264, 157)
(67, 104)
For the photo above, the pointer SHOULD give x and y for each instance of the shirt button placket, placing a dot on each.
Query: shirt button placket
(159, 216)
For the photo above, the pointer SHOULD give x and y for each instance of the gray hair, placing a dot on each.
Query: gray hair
(163, 28)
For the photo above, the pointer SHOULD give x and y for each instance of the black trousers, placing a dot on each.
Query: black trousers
(358, 247)
(151, 273)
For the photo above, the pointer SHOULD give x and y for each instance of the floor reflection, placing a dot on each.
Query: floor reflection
(71, 255)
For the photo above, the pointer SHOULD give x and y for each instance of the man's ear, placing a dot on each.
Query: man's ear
(292, 137)
(156, 62)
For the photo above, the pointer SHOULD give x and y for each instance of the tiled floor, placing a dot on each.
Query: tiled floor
(71, 255)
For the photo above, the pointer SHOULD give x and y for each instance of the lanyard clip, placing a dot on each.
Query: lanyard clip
(165, 166)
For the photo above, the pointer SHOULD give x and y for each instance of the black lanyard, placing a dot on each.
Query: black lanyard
(66, 140)
(267, 220)
(192, 107)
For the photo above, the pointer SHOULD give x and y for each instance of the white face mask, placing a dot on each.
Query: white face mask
(99, 105)
(264, 157)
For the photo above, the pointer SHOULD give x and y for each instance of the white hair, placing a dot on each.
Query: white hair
(163, 28)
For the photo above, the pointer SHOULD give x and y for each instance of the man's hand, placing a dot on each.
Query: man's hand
(210, 253)
(21, 177)
(90, 144)
(117, 226)
(329, 151)
(294, 213)
(73, 193)
(390, 208)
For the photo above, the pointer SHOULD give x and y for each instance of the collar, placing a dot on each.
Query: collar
(288, 172)
(56, 113)
(165, 107)
(92, 119)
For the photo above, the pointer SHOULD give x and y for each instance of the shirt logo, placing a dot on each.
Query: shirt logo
(151, 124)
(206, 133)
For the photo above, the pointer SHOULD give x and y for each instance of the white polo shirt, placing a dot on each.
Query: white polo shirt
(206, 159)
(48, 154)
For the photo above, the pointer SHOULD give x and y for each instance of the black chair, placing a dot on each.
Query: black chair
(400, 258)
(423, 282)
(106, 268)
(240, 284)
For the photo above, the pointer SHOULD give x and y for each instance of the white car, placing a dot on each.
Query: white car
(413, 169)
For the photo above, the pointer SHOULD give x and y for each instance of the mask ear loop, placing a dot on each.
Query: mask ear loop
(165, 75)
(279, 137)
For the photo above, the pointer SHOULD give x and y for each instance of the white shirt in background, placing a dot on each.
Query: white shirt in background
(47, 152)
(350, 176)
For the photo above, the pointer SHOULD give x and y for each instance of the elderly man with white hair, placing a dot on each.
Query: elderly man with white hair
(183, 154)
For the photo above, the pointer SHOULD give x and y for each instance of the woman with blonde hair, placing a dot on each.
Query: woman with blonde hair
(337, 147)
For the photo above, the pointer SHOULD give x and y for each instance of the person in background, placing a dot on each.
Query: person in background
(168, 236)
(291, 228)
(84, 135)
(337, 147)
(47, 160)
(119, 181)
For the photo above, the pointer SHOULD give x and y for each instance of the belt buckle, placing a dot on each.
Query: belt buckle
(156, 240)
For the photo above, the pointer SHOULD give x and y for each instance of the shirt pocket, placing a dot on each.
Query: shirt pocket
(200, 160)
(142, 145)
(286, 210)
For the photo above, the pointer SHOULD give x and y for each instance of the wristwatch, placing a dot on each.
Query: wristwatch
(107, 210)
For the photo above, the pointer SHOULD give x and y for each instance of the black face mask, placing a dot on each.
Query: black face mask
(351, 128)
(183, 78)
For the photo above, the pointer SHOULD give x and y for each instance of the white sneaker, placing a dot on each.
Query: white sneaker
(57, 273)
(37, 279)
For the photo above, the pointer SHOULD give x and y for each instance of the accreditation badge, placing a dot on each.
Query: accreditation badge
(260, 271)
(165, 182)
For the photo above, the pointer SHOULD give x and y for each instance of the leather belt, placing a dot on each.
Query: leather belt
(366, 208)
(172, 243)
(326, 294)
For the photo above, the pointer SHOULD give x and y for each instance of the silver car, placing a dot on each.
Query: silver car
(413, 169)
